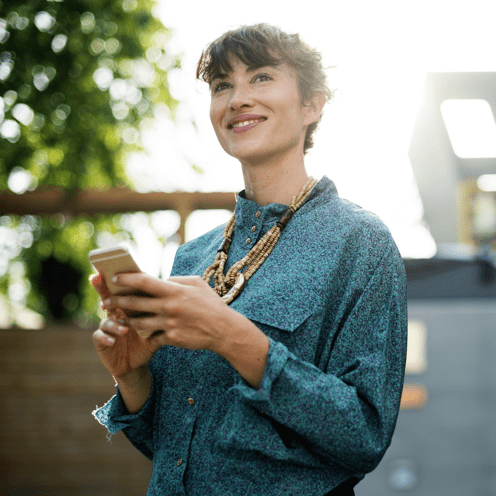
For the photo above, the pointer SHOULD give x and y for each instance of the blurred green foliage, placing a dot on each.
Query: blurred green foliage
(80, 80)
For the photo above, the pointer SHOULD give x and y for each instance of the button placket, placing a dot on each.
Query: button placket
(254, 228)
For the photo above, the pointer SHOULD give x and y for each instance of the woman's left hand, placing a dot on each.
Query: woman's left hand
(193, 316)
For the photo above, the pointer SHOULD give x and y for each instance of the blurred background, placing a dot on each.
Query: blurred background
(105, 139)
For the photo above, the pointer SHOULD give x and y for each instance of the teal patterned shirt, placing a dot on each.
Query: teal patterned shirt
(331, 297)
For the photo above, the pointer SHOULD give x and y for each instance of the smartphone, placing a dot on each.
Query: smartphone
(112, 261)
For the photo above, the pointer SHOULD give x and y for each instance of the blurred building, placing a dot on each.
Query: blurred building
(445, 441)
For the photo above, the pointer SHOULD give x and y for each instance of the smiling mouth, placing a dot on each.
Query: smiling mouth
(247, 122)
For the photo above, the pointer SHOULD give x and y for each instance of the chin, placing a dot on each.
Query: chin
(247, 155)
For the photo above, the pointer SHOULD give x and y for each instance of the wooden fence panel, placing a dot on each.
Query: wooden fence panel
(50, 444)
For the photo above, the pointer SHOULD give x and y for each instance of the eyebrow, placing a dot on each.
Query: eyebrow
(251, 68)
(219, 76)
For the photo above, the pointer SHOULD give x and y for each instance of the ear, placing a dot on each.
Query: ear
(313, 108)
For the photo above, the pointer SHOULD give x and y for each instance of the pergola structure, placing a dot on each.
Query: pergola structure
(44, 201)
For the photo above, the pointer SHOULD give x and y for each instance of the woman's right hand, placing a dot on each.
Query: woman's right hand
(121, 349)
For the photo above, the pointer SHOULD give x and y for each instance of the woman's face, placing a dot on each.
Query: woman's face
(257, 114)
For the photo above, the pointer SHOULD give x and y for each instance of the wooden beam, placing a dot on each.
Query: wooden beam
(56, 200)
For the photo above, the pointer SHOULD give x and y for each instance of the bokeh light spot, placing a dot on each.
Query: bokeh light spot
(59, 42)
(10, 98)
(130, 135)
(4, 34)
(23, 113)
(44, 21)
(57, 220)
(19, 180)
(41, 81)
(103, 78)
(55, 156)
(10, 130)
(87, 22)
(129, 5)
(112, 46)
(24, 91)
(6, 66)
(118, 89)
(44, 248)
(120, 111)
(97, 46)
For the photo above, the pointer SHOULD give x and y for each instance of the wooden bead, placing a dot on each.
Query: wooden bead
(224, 246)
(285, 218)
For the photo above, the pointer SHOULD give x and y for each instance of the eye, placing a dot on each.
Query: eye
(222, 85)
(262, 77)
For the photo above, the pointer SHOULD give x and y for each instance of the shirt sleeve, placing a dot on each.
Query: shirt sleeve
(345, 414)
(137, 427)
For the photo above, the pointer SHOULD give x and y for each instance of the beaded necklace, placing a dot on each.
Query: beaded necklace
(229, 286)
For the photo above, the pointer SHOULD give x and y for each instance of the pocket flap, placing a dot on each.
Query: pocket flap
(277, 302)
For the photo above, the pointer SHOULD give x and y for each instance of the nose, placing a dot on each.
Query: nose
(240, 97)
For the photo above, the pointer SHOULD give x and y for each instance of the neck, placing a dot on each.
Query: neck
(275, 182)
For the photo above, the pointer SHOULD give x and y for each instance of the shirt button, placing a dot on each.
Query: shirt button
(258, 214)
(248, 241)
(191, 401)
(254, 228)
(179, 462)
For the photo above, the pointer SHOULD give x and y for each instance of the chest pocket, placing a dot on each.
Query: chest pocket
(279, 305)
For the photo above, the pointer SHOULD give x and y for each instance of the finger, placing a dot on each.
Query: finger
(118, 314)
(151, 337)
(152, 323)
(108, 305)
(113, 328)
(187, 280)
(115, 313)
(132, 303)
(98, 282)
(157, 339)
(103, 339)
(147, 284)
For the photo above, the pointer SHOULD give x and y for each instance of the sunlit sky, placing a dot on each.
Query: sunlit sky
(381, 52)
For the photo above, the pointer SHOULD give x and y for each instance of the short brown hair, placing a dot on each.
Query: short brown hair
(265, 45)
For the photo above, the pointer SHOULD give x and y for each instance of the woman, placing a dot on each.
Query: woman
(280, 366)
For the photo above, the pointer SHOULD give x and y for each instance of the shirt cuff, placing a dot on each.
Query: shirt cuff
(276, 360)
(114, 414)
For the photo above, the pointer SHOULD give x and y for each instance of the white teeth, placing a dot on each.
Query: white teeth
(246, 123)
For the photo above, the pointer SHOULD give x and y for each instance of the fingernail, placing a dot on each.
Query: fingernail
(106, 302)
(121, 329)
(110, 340)
(114, 279)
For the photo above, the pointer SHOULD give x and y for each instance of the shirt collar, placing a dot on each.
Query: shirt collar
(247, 210)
